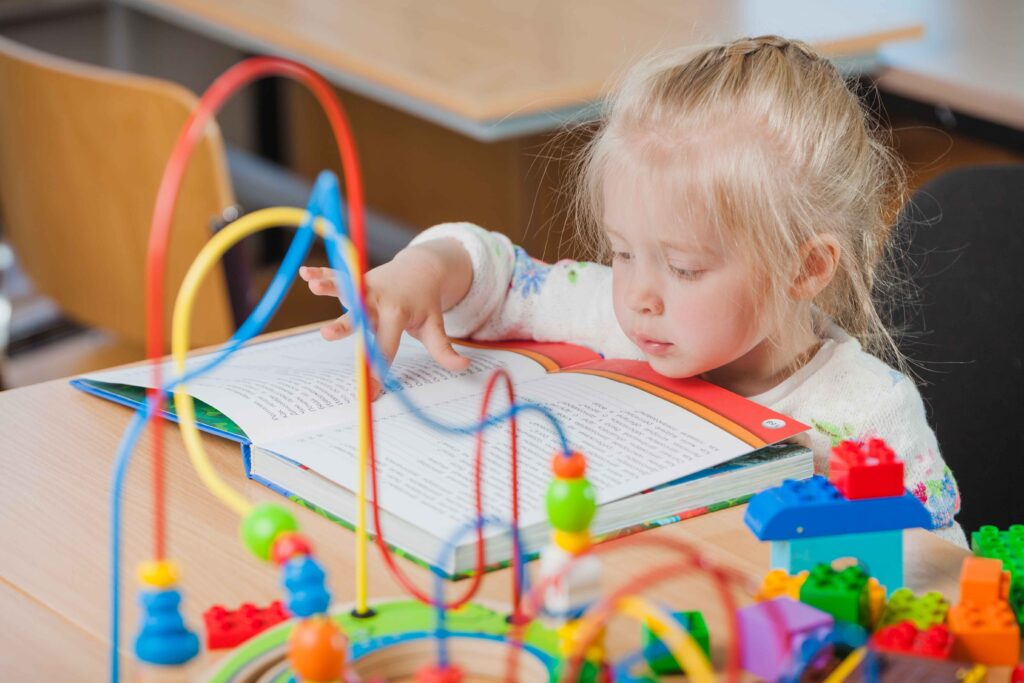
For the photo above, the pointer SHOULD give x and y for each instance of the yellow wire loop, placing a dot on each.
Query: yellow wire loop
(205, 261)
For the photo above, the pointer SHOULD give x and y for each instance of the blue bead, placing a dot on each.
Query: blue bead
(164, 639)
(304, 585)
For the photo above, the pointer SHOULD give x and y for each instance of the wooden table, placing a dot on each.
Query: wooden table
(456, 103)
(57, 448)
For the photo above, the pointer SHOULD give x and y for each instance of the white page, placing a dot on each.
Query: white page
(302, 383)
(426, 477)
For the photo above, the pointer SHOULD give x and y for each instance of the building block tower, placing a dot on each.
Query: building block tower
(861, 513)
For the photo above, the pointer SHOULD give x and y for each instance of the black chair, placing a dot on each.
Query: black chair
(967, 248)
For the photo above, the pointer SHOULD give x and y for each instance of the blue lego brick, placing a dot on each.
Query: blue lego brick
(814, 507)
(879, 553)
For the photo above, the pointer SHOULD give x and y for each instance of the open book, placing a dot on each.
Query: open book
(658, 449)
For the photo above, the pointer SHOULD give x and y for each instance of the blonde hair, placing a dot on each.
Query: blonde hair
(774, 149)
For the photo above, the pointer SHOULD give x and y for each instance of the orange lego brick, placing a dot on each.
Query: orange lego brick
(982, 581)
(987, 634)
(778, 583)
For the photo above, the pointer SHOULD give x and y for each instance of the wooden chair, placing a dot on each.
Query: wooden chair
(82, 150)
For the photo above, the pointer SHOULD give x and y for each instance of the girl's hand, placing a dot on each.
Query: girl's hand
(408, 294)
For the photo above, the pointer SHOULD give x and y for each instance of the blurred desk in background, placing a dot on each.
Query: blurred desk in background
(454, 103)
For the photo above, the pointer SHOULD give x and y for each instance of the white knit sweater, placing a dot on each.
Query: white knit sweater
(842, 392)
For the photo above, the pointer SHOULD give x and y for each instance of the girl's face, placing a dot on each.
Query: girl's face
(685, 299)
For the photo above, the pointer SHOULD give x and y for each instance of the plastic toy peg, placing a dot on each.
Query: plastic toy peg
(158, 574)
(228, 628)
(842, 594)
(304, 583)
(575, 589)
(262, 525)
(935, 641)
(876, 601)
(570, 504)
(288, 545)
(778, 582)
(572, 466)
(868, 469)
(164, 639)
(659, 660)
(432, 673)
(1018, 674)
(927, 610)
(983, 581)
(316, 650)
(772, 632)
(988, 634)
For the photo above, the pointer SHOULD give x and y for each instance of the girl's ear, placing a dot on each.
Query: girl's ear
(819, 259)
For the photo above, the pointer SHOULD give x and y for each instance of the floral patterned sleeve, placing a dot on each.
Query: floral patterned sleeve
(514, 296)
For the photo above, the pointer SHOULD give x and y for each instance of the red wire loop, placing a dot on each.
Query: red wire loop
(212, 100)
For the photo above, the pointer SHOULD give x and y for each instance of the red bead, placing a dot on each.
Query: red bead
(431, 673)
(288, 545)
(569, 467)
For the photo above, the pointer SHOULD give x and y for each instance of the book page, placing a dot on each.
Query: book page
(302, 383)
(633, 441)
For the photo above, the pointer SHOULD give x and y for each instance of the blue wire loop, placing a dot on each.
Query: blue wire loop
(325, 202)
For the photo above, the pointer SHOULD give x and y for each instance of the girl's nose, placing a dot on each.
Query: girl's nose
(644, 297)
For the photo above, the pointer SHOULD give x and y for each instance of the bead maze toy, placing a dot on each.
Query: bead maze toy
(552, 630)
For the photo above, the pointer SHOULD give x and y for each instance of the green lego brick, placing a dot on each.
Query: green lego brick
(1008, 547)
(843, 594)
(659, 659)
(925, 611)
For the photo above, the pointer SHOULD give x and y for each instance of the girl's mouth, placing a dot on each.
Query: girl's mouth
(653, 347)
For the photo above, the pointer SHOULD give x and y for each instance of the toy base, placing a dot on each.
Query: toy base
(398, 641)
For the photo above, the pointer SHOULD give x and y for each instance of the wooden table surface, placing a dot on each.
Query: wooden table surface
(493, 69)
(58, 446)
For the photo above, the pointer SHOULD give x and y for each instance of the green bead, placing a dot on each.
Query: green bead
(570, 504)
(262, 525)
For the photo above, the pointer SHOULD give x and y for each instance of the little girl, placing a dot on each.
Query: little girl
(744, 203)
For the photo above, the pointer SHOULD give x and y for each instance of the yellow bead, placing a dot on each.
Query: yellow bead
(158, 573)
(573, 543)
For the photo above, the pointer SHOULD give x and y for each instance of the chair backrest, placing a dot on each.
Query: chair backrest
(968, 249)
(82, 151)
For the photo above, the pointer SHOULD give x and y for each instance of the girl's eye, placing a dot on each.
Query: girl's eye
(686, 273)
(621, 256)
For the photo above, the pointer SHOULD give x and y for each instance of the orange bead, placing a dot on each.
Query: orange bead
(569, 467)
(316, 650)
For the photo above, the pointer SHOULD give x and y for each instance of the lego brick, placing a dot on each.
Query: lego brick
(923, 611)
(866, 469)
(934, 641)
(876, 601)
(778, 582)
(773, 630)
(842, 594)
(659, 659)
(983, 581)
(1008, 547)
(886, 667)
(228, 628)
(814, 508)
(880, 554)
(987, 634)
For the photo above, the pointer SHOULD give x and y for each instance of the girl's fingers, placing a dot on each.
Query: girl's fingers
(338, 329)
(433, 337)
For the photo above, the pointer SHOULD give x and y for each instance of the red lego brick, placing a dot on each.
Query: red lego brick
(1018, 674)
(228, 628)
(905, 638)
(866, 470)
